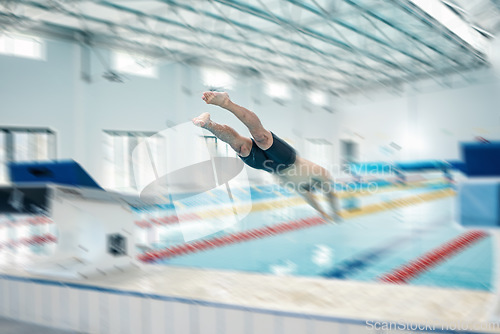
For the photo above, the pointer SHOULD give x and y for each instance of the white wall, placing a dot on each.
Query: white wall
(51, 93)
(45, 303)
(426, 125)
(41, 93)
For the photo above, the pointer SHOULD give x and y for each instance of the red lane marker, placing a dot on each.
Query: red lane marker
(414, 268)
(33, 220)
(258, 233)
(34, 240)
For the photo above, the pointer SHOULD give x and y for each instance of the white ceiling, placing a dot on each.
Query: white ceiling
(339, 45)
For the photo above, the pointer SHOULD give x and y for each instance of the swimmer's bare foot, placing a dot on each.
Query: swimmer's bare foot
(202, 120)
(220, 99)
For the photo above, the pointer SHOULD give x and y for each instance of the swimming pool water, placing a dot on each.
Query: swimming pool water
(362, 248)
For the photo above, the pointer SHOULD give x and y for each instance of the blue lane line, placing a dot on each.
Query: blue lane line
(360, 262)
(353, 265)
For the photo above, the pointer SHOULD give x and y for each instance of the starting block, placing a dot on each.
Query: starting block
(94, 227)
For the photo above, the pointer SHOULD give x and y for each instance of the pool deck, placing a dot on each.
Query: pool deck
(310, 297)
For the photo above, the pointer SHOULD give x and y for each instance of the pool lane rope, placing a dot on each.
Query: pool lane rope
(295, 201)
(35, 240)
(257, 233)
(242, 236)
(431, 259)
(259, 206)
(166, 220)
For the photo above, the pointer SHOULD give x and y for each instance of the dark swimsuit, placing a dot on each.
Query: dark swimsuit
(276, 158)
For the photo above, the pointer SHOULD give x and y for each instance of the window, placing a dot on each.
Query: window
(278, 90)
(214, 78)
(119, 168)
(318, 98)
(25, 144)
(121, 172)
(445, 14)
(134, 64)
(21, 46)
(320, 151)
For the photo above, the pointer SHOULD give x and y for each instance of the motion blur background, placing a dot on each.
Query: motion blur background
(343, 81)
(383, 80)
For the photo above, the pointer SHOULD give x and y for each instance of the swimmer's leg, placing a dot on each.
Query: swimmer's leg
(326, 184)
(333, 201)
(263, 138)
(311, 200)
(227, 134)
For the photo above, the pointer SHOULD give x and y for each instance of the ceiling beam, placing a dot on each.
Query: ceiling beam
(246, 8)
(357, 4)
(425, 18)
(428, 75)
(51, 30)
(325, 15)
(149, 33)
(227, 38)
(314, 76)
(279, 37)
